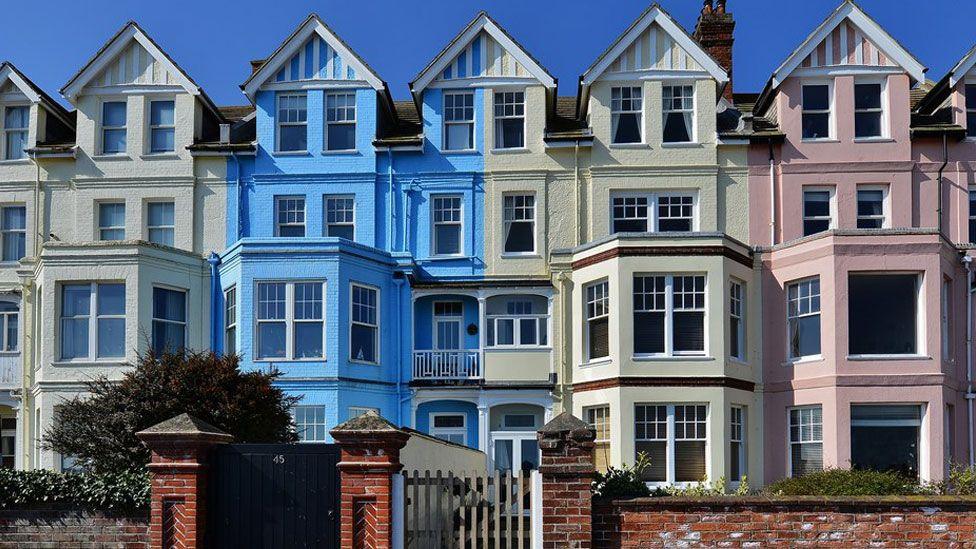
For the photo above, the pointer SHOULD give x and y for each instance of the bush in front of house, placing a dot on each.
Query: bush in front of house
(846, 482)
(961, 481)
(128, 490)
(623, 482)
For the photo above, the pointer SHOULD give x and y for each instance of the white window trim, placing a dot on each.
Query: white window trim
(277, 220)
(506, 222)
(150, 127)
(920, 312)
(743, 355)
(640, 117)
(325, 119)
(831, 204)
(4, 131)
(447, 123)
(325, 213)
(694, 114)
(289, 321)
(186, 311)
(99, 229)
(831, 113)
(102, 127)
(150, 227)
(377, 326)
(653, 215)
(5, 319)
(434, 224)
(789, 330)
(524, 117)
(93, 318)
(742, 440)
(462, 430)
(885, 203)
(279, 124)
(885, 110)
(671, 440)
(5, 232)
(589, 411)
(230, 321)
(789, 440)
(669, 311)
(517, 335)
(588, 319)
(437, 319)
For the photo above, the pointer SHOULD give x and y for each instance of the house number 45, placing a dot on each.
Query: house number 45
(278, 459)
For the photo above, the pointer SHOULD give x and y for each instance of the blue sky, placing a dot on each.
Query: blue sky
(214, 40)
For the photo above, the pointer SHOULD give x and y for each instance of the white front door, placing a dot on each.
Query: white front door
(515, 451)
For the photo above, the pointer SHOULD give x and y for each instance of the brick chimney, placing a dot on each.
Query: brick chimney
(714, 31)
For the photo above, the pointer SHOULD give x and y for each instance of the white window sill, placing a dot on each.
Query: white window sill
(682, 145)
(291, 153)
(864, 358)
(346, 152)
(170, 155)
(511, 150)
(111, 157)
(671, 358)
(820, 140)
(446, 257)
(15, 161)
(629, 146)
(597, 362)
(9, 353)
(878, 139)
(803, 360)
(520, 255)
(460, 151)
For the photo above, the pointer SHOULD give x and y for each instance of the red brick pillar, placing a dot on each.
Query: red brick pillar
(567, 473)
(178, 470)
(370, 456)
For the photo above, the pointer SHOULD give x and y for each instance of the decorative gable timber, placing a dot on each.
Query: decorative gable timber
(312, 55)
(654, 44)
(482, 51)
(849, 38)
(134, 65)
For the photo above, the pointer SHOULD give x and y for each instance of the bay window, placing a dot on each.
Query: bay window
(626, 115)
(806, 440)
(519, 223)
(16, 121)
(883, 314)
(290, 320)
(653, 212)
(679, 114)
(509, 120)
(517, 321)
(669, 315)
(365, 324)
(597, 320)
(458, 121)
(674, 437)
(92, 321)
(230, 321)
(168, 319)
(803, 318)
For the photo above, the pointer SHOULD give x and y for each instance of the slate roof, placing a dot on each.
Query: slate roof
(406, 130)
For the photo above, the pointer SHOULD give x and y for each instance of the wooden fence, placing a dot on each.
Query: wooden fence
(470, 510)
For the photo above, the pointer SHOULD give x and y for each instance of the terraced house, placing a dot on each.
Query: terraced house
(733, 284)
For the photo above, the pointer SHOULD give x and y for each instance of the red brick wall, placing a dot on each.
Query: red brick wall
(759, 522)
(72, 528)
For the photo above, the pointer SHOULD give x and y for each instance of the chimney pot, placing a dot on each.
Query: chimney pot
(721, 7)
(714, 31)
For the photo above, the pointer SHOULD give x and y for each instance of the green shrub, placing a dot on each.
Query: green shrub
(961, 481)
(704, 489)
(123, 491)
(623, 482)
(845, 482)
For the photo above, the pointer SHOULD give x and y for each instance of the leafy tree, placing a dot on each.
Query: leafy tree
(99, 428)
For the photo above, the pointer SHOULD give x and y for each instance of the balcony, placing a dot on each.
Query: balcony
(447, 365)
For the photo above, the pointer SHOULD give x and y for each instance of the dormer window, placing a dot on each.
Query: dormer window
(816, 111)
(867, 111)
(679, 114)
(15, 123)
(458, 121)
(340, 120)
(162, 126)
(509, 120)
(292, 123)
(113, 127)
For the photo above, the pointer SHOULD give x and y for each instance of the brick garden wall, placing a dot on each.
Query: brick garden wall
(36, 529)
(795, 522)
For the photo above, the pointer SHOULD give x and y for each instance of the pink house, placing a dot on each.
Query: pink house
(864, 297)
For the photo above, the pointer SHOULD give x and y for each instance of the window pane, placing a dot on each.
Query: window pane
(867, 96)
(806, 336)
(342, 231)
(528, 331)
(599, 337)
(627, 128)
(816, 203)
(168, 335)
(113, 141)
(111, 299)
(448, 239)
(363, 343)
(520, 237)
(649, 332)
(341, 137)
(308, 340)
(293, 138)
(163, 140)
(867, 124)
(883, 317)
(509, 133)
(113, 114)
(689, 331)
(111, 337)
(816, 125)
(689, 460)
(169, 304)
(74, 338)
(677, 127)
(161, 113)
(816, 98)
(271, 340)
(806, 458)
(76, 300)
(870, 202)
(459, 137)
(657, 451)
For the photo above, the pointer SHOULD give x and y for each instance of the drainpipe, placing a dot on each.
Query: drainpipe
(399, 347)
(970, 394)
(772, 195)
(389, 224)
(215, 343)
(38, 223)
(945, 162)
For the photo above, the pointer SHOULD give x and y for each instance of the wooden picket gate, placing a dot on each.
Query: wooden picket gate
(470, 510)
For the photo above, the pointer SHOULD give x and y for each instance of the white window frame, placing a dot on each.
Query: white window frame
(831, 110)
(152, 128)
(598, 417)
(7, 233)
(885, 203)
(280, 124)
(693, 134)
(737, 310)
(738, 432)
(831, 205)
(920, 342)
(278, 201)
(604, 302)
(507, 220)
(345, 122)
(541, 331)
(186, 312)
(795, 443)
(98, 217)
(377, 326)
(93, 318)
(102, 127)
(471, 123)
(669, 311)
(434, 224)
(883, 110)
(653, 203)
(306, 424)
(672, 440)
(462, 430)
(639, 111)
(6, 317)
(818, 313)
(332, 199)
(5, 134)
(230, 318)
(150, 227)
(289, 321)
(497, 119)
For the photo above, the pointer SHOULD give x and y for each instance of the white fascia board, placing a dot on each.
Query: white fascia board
(962, 68)
(9, 74)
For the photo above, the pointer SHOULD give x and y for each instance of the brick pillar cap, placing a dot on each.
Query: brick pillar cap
(566, 425)
(368, 427)
(184, 427)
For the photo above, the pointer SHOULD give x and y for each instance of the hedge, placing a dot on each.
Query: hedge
(42, 488)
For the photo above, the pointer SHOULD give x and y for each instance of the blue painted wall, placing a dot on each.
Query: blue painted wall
(469, 409)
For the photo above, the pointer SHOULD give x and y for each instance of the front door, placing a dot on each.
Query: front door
(515, 451)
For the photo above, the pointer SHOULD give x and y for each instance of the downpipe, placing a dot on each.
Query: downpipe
(970, 394)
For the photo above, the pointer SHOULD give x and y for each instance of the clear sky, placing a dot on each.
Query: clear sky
(214, 40)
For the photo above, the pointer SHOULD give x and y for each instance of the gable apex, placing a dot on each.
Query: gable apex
(483, 49)
(312, 52)
(10, 76)
(963, 67)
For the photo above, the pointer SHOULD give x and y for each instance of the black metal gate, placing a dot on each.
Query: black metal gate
(274, 496)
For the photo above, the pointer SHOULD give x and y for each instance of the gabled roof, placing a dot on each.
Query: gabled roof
(460, 44)
(8, 72)
(963, 67)
(119, 45)
(295, 46)
(655, 14)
